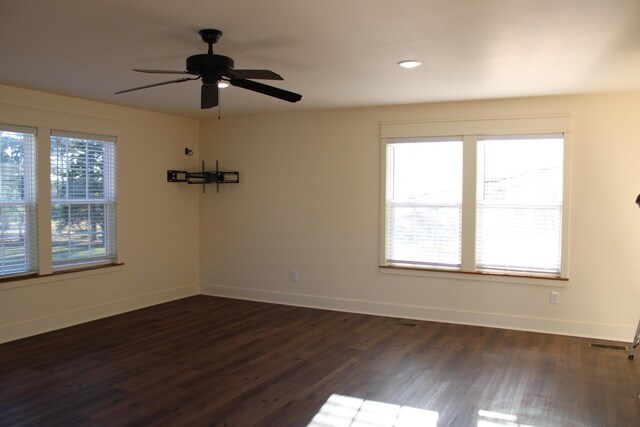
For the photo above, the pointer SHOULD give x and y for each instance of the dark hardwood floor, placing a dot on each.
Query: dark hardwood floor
(215, 361)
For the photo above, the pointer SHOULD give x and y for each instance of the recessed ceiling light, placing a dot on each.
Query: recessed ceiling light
(410, 63)
(222, 84)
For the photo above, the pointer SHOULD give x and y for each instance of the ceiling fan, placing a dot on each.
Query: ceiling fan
(212, 68)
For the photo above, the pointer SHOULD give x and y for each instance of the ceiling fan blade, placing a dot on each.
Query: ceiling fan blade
(255, 74)
(209, 96)
(266, 89)
(160, 71)
(158, 84)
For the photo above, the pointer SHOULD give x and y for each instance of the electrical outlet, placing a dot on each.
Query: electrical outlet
(554, 298)
(144, 274)
(294, 276)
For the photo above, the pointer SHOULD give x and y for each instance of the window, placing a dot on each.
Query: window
(481, 202)
(424, 202)
(18, 237)
(82, 213)
(519, 204)
(83, 199)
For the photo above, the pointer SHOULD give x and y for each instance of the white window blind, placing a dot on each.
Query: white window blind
(83, 199)
(424, 202)
(18, 234)
(519, 203)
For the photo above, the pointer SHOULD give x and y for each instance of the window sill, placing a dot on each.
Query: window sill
(475, 276)
(56, 276)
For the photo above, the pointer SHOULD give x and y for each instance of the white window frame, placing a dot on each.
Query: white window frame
(471, 130)
(543, 270)
(109, 199)
(30, 201)
(400, 141)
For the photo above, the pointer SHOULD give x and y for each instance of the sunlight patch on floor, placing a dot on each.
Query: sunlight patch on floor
(498, 419)
(346, 411)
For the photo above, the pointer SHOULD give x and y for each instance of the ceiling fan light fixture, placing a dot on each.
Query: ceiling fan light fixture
(222, 84)
(409, 63)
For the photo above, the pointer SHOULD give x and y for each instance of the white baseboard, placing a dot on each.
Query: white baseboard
(86, 314)
(534, 324)
(504, 321)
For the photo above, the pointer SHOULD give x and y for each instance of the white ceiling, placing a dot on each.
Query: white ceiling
(336, 53)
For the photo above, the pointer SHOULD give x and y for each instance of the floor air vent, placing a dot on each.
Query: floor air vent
(402, 323)
(608, 347)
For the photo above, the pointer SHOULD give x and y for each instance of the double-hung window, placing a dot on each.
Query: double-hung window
(83, 199)
(519, 203)
(18, 235)
(82, 212)
(424, 202)
(478, 203)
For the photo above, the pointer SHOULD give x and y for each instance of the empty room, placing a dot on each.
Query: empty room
(320, 213)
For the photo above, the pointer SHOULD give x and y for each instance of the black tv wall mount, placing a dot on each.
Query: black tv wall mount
(203, 177)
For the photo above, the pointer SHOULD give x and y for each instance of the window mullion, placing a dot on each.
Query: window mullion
(566, 205)
(45, 264)
(470, 154)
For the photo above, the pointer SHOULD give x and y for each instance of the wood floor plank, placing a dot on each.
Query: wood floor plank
(216, 361)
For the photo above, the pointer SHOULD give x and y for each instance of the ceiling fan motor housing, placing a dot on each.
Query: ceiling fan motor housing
(209, 64)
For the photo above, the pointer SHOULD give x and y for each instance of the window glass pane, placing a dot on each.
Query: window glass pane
(424, 198)
(17, 202)
(83, 200)
(77, 169)
(519, 206)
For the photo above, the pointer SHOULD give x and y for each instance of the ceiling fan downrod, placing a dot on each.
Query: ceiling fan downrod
(210, 36)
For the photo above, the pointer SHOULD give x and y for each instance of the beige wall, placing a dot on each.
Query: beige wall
(309, 201)
(157, 221)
